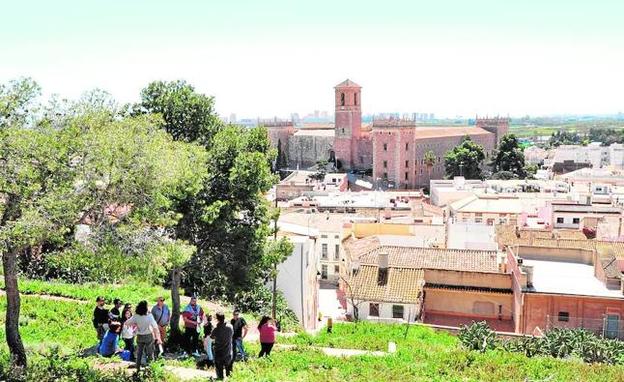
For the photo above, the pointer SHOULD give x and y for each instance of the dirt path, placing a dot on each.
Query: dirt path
(337, 352)
(48, 297)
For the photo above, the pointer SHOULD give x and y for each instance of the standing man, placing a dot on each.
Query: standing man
(162, 316)
(193, 315)
(240, 331)
(115, 313)
(100, 318)
(222, 336)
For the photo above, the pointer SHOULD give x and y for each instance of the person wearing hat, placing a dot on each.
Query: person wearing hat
(193, 316)
(100, 318)
(115, 313)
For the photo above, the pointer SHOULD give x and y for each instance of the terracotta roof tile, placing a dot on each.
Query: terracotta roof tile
(402, 285)
(434, 258)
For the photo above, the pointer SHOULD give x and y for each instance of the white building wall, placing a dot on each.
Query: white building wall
(410, 311)
(331, 258)
(297, 280)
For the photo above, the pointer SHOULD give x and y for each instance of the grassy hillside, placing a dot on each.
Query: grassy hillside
(422, 354)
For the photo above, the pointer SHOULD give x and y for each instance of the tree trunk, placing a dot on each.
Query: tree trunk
(175, 302)
(14, 341)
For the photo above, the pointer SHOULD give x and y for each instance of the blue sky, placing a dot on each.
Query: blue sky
(266, 58)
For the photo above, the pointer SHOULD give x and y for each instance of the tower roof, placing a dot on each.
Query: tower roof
(347, 84)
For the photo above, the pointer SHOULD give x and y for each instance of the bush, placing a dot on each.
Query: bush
(557, 343)
(53, 366)
(478, 336)
(259, 301)
(106, 264)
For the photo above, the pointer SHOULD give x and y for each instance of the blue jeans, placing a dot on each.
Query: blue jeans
(238, 348)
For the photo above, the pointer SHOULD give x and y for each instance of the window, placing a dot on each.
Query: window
(385, 146)
(373, 309)
(385, 163)
(342, 99)
(559, 220)
(406, 176)
(564, 316)
(385, 175)
(397, 311)
(406, 146)
(324, 272)
(355, 99)
(324, 251)
(336, 269)
(337, 252)
(406, 164)
(576, 220)
(323, 236)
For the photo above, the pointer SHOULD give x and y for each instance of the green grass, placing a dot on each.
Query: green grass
(422, 353)
(48, 323)
(89, 292)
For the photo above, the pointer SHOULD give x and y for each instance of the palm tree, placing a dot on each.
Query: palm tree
(430, 160)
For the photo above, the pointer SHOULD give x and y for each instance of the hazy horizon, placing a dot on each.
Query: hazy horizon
(274, 58)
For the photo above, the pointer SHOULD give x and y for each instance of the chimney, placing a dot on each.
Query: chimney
(382, 268)
(528, 269)
(382, 260)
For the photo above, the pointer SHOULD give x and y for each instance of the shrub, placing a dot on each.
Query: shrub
(106, 264)
(478, 336)
(259, 301)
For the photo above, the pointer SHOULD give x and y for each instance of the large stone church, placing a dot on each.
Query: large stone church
(393, 149)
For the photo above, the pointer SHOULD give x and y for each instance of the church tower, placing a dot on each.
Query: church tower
(348, 122)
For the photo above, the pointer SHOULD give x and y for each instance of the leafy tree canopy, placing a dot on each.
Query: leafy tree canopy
(189, 116)
(465, 160)
(509, 157)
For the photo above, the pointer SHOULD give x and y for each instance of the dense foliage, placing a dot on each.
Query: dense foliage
(509, 158)
(227, 221)
(465, 160)
(558, 343)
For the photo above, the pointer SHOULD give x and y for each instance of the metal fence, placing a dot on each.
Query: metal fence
(610, 326)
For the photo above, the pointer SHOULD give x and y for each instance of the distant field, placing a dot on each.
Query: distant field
(579, 127)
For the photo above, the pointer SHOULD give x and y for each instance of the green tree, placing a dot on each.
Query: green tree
(465, 160)
(18, 101)
(228, 220)
(52, 179)
(281, 161)
(509, 157)
(430, 160)
(189, 116)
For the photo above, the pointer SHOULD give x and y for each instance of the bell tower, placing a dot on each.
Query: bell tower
(348, 122)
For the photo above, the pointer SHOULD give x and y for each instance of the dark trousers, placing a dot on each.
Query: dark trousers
(191, 340)
(223, 363)
(265, 349)
(129, 342)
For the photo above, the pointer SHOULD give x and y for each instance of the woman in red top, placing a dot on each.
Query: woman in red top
(267, 335)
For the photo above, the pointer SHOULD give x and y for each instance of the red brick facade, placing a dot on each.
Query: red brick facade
(394, 149)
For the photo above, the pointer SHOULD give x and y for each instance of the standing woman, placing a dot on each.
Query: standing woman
(267, 335)
(128, 333)
(147, 332)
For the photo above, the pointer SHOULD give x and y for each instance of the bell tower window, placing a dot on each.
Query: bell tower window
(342, 99)
(355, 99)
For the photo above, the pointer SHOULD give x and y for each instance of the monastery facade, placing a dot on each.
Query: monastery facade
(393, 148)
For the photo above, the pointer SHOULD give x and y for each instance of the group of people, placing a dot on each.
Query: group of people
(147, 328)
(222, 343)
